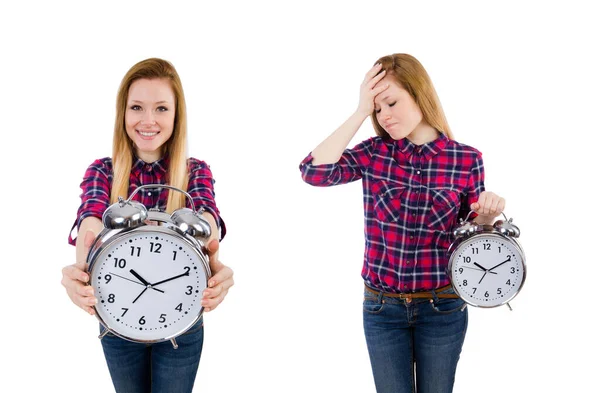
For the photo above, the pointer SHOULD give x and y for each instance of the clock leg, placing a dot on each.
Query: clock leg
(508, 304)
(175, 346)
(104, 333)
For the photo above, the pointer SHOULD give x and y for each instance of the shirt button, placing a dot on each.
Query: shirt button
(149, 194)
(418, 172)
(148, 168)
(408, 262)
(405, 285)
(412, 237)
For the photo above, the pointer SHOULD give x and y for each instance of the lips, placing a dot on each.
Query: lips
(147, 135)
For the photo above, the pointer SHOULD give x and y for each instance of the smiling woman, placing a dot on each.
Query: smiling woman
(149, 147)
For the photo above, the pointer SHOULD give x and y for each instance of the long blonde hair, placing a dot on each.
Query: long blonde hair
(175, 147)
(410, 74)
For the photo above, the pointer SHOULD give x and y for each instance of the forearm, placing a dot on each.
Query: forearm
(331, 149)
(92, 224)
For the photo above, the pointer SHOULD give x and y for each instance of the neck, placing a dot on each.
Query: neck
(424, 133)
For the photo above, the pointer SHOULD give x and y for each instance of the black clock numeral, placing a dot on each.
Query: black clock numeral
(155, 247)
(467, 259)
(139, 249)
(124, 312)
(460, 270)
(465, 283)
(486, 294)
(179, 307)
(174, 255)
(162, 318)
(474, 290)
(499, 249)
(508, 282)
(508, 257)
(475, 250)
(120, 263)
(512, 270)
(142, 321)
(499, 292)
(111, 298)
(187, 270)
(189, 291)
(108, 277)
(487, 246)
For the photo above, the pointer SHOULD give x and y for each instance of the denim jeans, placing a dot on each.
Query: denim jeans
(414, 346)
(156, 368)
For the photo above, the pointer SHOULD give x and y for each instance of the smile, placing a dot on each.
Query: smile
(148, 134)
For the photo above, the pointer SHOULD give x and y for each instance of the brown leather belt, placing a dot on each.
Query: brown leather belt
(417, 295)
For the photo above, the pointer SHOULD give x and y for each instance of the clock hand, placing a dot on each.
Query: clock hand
(145, 289)
(501, 263)
(479, 266)
(187, 273)
(482, 277)
(139, 277)
(138, 283)
(472, 268)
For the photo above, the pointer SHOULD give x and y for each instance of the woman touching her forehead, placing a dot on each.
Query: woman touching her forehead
(417, 182)
(149, 147)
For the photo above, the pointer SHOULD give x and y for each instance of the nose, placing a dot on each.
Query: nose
(148, 118)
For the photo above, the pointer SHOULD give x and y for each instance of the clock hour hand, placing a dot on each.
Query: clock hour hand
(143, 282)
(187, 273)
(484, 269)
(501, 263)
(139, 277)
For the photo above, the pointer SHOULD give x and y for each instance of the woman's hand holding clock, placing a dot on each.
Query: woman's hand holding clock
(75, 279)
(220, 282)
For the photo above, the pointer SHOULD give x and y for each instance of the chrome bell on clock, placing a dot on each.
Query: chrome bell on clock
(124, 214)
(507, 228)
(465, 229)
(188, 221)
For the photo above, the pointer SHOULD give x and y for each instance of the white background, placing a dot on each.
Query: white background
(265, 83)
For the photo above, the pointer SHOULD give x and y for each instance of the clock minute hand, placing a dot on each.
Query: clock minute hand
(501, 263)
(172, 278)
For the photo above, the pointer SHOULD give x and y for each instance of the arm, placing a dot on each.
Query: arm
(329, 163)
(74, 276)
(485, 204)
(330, 150)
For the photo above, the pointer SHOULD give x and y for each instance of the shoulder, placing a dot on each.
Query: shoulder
(198, 167)
(100, 166)
(463, 150)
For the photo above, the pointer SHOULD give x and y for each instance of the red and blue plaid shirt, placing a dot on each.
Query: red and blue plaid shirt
(413, 196)
(97, 181)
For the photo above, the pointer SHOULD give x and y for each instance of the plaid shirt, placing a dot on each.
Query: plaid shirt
(412, 196)
(97, 181)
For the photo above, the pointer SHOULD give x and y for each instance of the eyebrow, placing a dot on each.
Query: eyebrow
(157, 102)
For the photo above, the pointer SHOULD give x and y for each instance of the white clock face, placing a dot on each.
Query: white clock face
(149, 285)
(487, 270)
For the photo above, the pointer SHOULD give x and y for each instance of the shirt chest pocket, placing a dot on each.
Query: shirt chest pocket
(445, 204)
(389, 203)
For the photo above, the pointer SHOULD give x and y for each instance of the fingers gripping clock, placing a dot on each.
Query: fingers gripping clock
(149, 269)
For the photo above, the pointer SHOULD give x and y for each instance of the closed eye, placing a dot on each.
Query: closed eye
(392, 104)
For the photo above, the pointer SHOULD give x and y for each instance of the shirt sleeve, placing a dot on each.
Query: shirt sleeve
(350, 167)
(475, 187)
(95, 195)
(201, 189)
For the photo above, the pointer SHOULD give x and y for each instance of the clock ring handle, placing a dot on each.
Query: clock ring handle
(473, 211)
(163, 186)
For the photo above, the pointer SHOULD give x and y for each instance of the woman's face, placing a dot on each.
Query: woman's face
(396, 111)
(150, 116)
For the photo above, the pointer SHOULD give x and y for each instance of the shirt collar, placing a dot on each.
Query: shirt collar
(158, 167)
(427, 150)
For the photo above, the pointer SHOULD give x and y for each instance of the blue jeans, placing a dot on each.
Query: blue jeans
(156, 368)
(414, 346)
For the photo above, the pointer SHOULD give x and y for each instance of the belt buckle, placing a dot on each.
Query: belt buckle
(408, 298)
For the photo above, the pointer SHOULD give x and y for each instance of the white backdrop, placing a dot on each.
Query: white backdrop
(265, 83)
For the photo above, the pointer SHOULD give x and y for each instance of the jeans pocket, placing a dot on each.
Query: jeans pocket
(373, 304)
(447, 306)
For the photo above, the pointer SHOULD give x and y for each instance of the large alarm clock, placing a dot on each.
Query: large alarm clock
(149, 269)
(487, 263)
